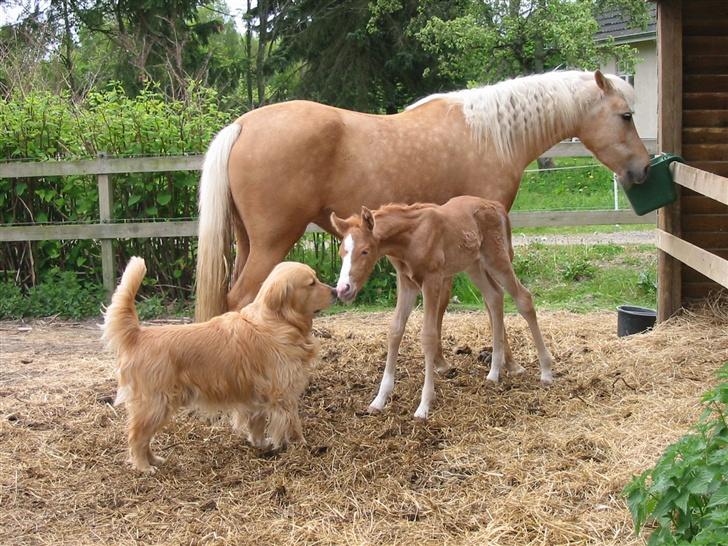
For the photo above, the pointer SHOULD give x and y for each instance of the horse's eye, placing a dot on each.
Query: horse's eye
(627, 116)
(313, 282)
(364, 252)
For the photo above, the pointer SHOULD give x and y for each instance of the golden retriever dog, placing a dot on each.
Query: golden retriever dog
(253, 363)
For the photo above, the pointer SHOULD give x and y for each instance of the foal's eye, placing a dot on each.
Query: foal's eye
(627, 116)
(364, 252)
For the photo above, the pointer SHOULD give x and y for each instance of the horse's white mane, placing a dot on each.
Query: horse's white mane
(531, 109)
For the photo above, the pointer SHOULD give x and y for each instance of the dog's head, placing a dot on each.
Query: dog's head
(293, 291)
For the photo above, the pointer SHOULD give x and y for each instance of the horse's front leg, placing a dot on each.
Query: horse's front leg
(406, 297)
(441, 365)
(431, 290)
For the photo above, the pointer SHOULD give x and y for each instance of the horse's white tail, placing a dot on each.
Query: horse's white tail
(215, 227)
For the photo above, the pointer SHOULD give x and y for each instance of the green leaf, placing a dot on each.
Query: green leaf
(20, 188)
(164, 198)
(134, 199)
(720, 497)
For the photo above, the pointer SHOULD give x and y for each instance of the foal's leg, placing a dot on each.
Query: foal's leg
(406, 297)
(502, 271)
(493, 296)
(430, 342)
(441, 365)
(511, 365)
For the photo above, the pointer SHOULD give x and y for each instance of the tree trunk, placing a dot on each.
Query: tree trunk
(263, 8)
(249, 56)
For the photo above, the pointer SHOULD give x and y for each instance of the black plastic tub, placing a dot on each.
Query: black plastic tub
(634, 320)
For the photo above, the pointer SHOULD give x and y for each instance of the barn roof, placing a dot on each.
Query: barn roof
(613, 23)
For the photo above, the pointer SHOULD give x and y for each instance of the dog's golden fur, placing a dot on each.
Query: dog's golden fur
(253, 363)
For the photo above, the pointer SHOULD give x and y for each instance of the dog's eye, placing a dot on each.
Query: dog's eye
(627, 116)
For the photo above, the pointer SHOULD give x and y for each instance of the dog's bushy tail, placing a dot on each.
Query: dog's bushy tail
(121, 323)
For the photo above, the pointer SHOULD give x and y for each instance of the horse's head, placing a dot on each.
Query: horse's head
(359, 252)
(609, 132)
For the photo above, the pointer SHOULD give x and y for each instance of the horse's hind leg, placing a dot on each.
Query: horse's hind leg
(502, 272)
(242, 248)
(406, 297)
(493, 296)
(268, 248)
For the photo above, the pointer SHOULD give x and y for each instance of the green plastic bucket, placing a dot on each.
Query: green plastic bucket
(658, 189)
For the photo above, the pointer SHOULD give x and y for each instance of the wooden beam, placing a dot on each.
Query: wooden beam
(188, 228)
(131, 230)
(578, 218)
(712, 266)
(106, 206)
(669, 139)
(123, 165)
(102, 165)
(712, 185)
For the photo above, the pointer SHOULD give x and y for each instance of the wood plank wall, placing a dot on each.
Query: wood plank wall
(704, 222)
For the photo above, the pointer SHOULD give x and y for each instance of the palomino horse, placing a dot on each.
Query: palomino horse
(428, 244)
(277, 169)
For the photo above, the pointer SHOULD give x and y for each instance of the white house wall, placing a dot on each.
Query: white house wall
(645, 86)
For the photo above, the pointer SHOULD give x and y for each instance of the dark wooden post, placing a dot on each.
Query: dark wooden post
(669, 139)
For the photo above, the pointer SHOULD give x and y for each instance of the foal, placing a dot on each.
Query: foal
(428, 244)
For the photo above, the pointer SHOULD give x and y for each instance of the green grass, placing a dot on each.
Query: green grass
(590, 187)
(576, 278)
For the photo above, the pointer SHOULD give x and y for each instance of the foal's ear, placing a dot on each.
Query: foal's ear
(602, 81)
(367, 218)
(339, 224)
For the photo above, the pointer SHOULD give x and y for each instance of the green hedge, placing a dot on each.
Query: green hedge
(43, 126)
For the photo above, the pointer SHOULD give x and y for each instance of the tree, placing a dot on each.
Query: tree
(363, 54)
(498, 39)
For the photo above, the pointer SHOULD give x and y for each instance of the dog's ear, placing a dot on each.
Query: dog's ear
(367, 219)
(277, 294)
(339, 224)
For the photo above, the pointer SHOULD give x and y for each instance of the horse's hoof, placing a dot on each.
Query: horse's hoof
(421, 414)
(547, 381)
(374, 410)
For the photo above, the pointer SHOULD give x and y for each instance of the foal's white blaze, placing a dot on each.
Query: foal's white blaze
(344, 280)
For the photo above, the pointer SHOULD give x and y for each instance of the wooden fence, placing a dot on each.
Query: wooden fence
(711, 185)
(107, 230)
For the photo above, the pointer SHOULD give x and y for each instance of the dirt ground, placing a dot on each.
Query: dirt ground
(512, 464)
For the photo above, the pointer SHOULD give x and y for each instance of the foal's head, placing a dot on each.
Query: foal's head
(359, 251)
(609, 131)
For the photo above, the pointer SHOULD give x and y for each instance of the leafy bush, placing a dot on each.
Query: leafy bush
(42, 126)
(60, 293)
(685, 496)
(648, 282)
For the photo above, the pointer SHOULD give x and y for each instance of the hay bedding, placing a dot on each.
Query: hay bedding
(513, 464)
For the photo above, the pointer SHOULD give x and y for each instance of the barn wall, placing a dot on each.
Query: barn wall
(705, 130)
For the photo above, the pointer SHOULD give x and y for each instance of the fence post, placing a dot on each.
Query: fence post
(108, 267)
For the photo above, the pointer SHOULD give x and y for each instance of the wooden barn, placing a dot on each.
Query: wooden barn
(693, 122)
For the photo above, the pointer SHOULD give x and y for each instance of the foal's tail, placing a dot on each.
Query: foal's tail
(215, 227)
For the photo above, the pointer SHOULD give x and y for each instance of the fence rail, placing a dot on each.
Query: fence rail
(106, 231)
(711, 185)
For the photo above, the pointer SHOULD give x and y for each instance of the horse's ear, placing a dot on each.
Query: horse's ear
(602, 81)
(339, 224)
(367, 218)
